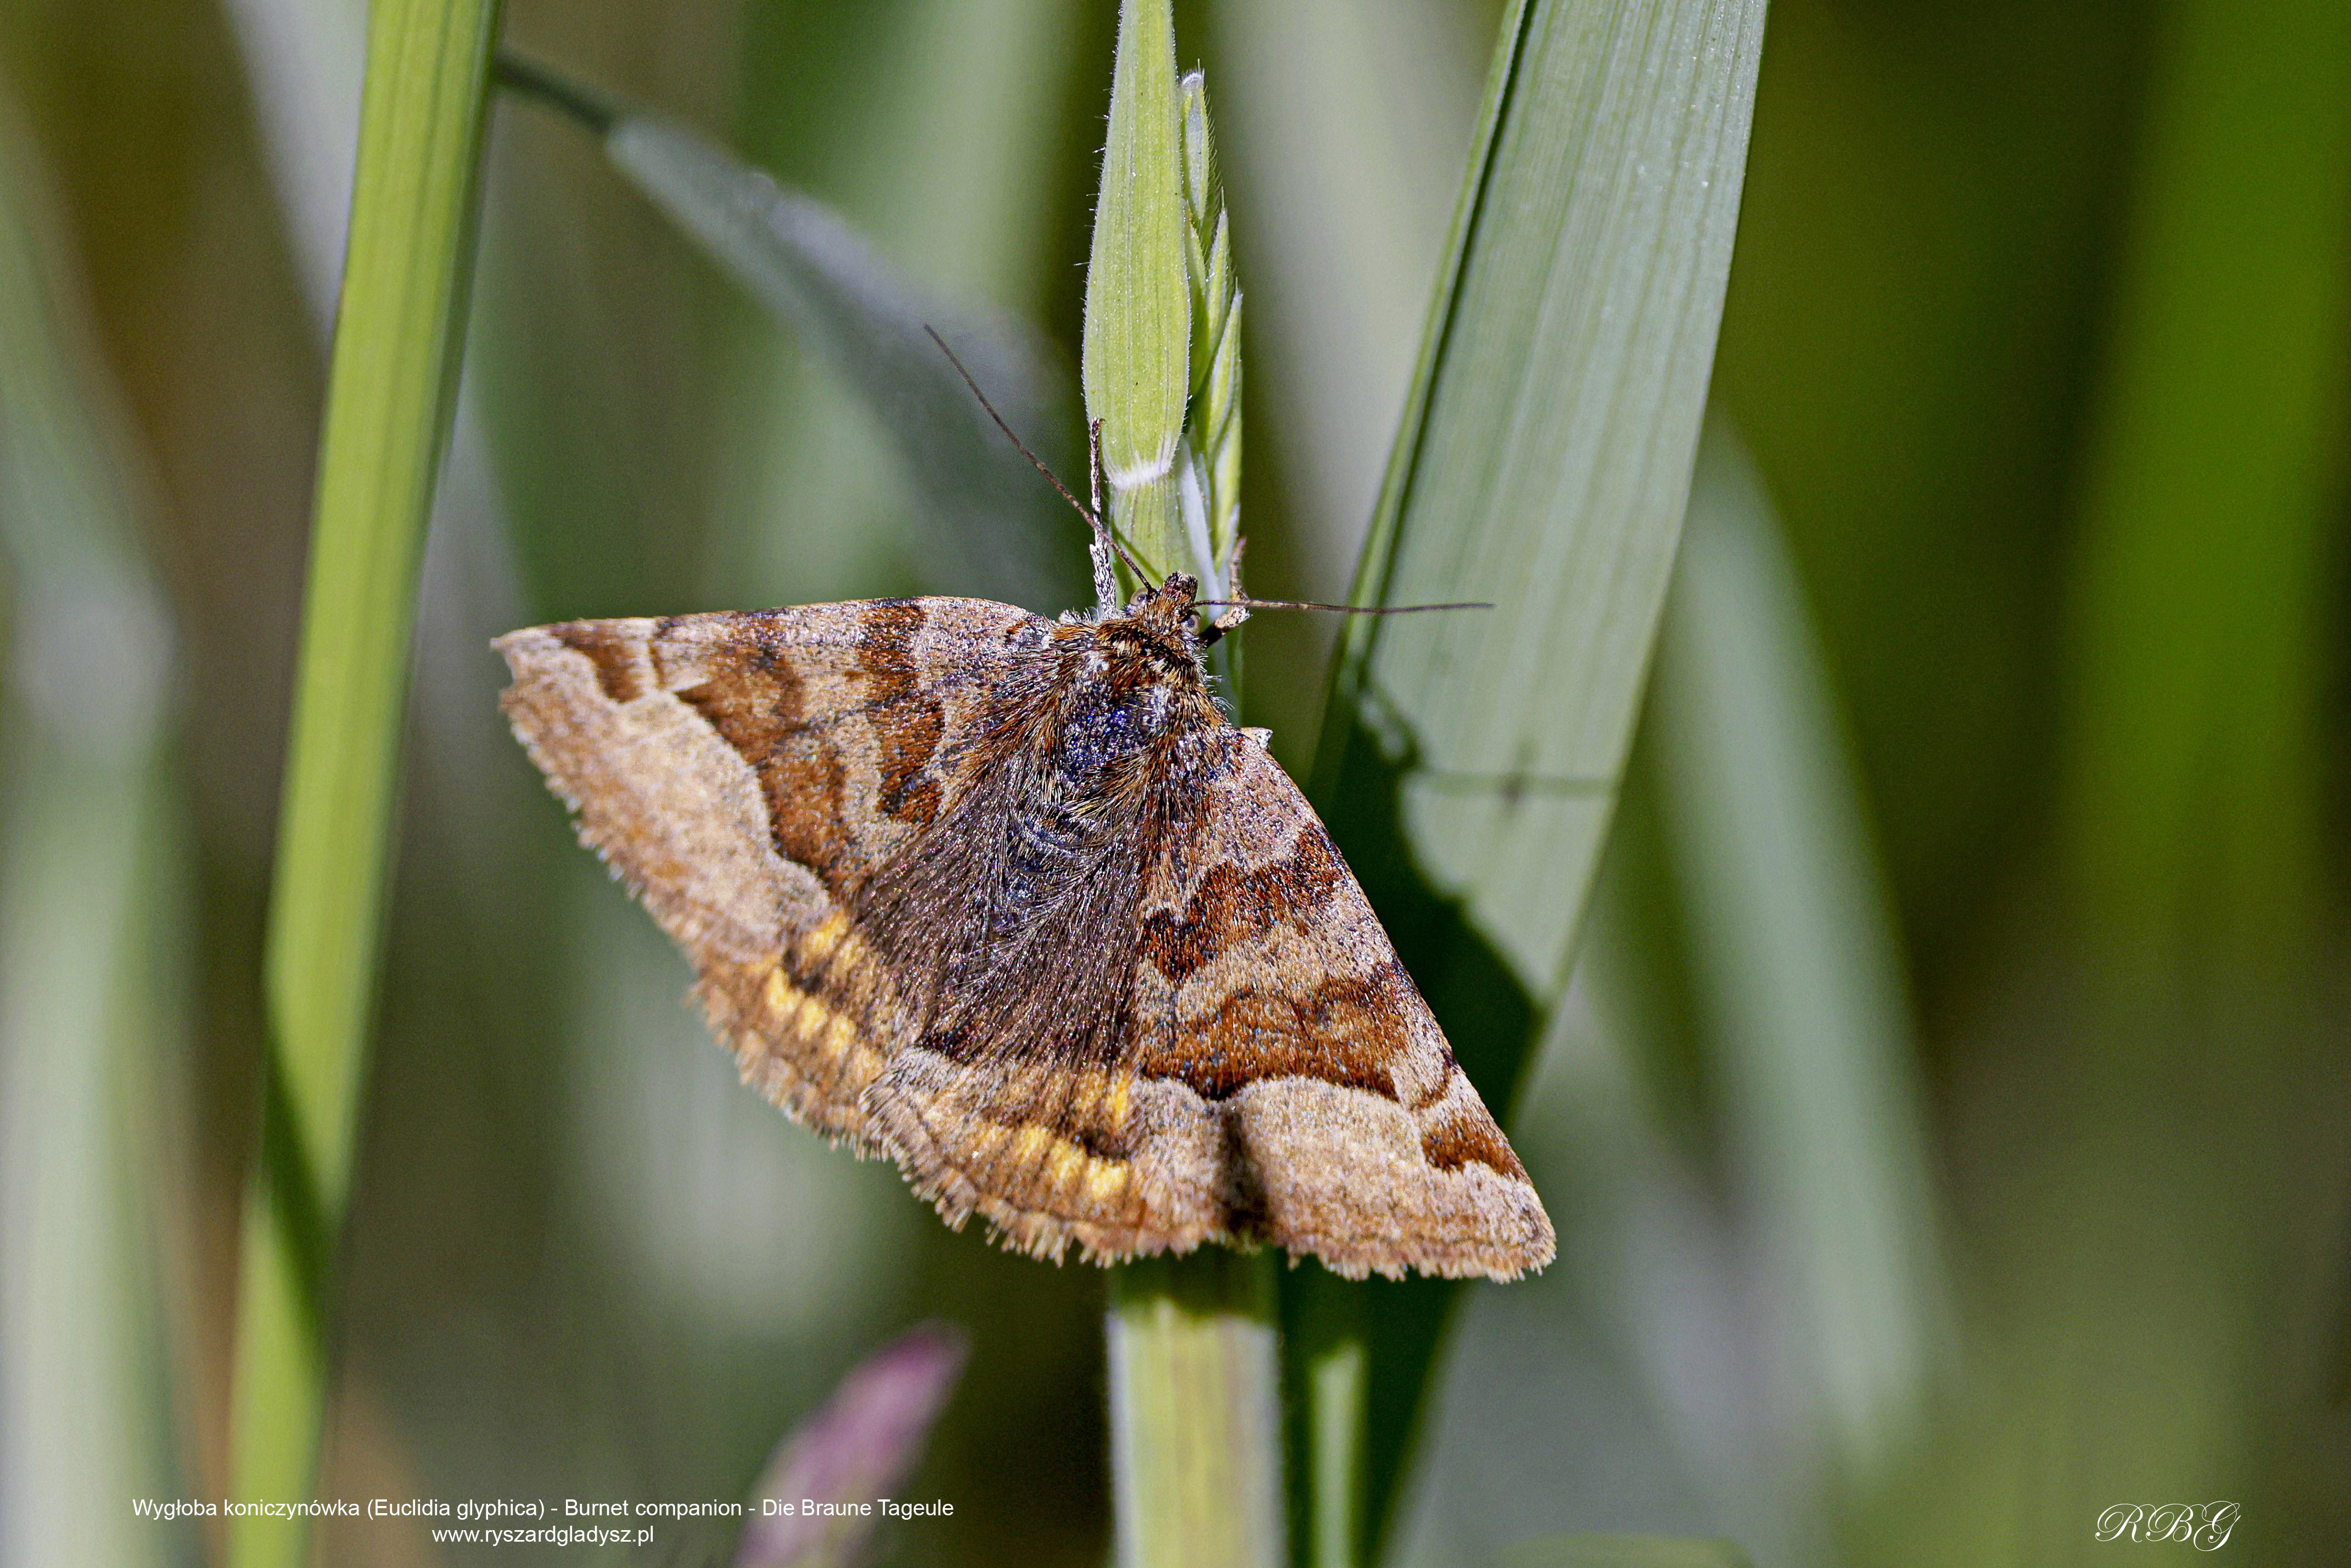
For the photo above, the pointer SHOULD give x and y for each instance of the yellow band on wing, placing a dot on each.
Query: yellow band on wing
(1066, 1169)
(826, 1037)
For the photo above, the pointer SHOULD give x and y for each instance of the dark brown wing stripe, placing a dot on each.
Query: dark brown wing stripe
(621, 670)
(1232, 906)
(908, 792)
(1457, 1141)
(802, 776)
(885, 638)
(1345, 1031)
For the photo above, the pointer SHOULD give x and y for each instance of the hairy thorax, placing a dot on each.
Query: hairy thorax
(1126, 722)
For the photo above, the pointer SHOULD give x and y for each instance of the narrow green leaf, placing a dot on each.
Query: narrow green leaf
(1546, 462)
(1469, 762)
(1795, 960)
(1136, 364)
(389, 403)
(995, 527)
(390, 394)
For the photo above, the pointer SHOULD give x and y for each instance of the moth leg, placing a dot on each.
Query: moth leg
(1236, 611)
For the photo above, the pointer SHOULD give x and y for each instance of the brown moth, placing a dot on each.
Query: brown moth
(1012, 901)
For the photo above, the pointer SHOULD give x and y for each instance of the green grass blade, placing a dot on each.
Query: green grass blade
(87, 920)
(1794, 963)
(389, 398)
(1546, 462)
(1469, 762)
(997, 528)
(1136, 364)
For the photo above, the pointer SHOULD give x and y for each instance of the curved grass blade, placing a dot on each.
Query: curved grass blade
(1468, 763)
(1794, 959)
(997, 528)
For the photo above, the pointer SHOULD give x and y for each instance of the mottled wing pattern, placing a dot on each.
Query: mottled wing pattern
(1275, 1075)
(745, 773)
(1011, 902)
(1268, 996)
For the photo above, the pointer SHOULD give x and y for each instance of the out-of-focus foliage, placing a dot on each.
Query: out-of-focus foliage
(92, 969)
(1794, 970)
(2034, 336)
(1800, 1327)
(1586, 1551)
(997, 530)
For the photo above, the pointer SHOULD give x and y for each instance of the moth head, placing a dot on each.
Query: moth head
(1118, 693)
(1170, 603)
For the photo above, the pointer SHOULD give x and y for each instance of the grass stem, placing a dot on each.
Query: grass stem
(1195, 1418)
(391, 392)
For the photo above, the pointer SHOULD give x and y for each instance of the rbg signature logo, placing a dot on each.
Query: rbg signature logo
(2204, 1526)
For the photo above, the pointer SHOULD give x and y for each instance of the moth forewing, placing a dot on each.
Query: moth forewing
(1012, 901)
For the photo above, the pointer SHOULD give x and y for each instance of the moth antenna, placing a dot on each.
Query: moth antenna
(1103, 533)
(1341, 608)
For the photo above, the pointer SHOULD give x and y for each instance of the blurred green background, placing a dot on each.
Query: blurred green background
(2022, 509)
